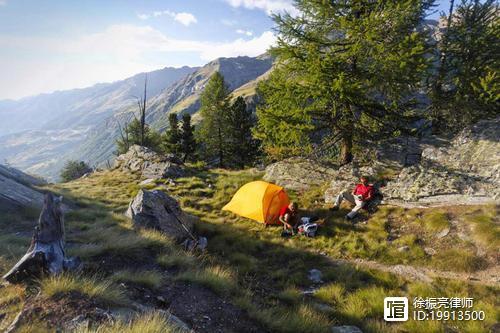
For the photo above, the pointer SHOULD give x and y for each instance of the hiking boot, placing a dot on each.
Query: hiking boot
(349, 219)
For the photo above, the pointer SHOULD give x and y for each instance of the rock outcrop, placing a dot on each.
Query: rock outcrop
(16, 189)
(463, 170)
(344, 179)
(433, 170)
(150, 164)
(298, 174)
(157, 210)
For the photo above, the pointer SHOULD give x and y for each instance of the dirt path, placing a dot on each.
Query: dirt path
(490, 276)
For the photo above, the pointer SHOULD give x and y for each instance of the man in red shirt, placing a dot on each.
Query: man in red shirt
(362, 193)
(288, 216)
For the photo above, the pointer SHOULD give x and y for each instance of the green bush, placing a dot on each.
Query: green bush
(73, 170)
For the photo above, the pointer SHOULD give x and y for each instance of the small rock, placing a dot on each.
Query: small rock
(429, 251)
(322, 307)
(201, 244)
(315, 276)
(405, 248)
(346, 329)
(443, 233)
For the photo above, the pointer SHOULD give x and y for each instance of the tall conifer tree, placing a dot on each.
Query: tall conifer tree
(188, 142)
(345, 69)
(243, 146)
(213, 128)
(466, 86)
(172, 137)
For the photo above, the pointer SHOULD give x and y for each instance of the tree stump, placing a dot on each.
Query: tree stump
(46, 253)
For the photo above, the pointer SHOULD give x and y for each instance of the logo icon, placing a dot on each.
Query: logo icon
(395, 309)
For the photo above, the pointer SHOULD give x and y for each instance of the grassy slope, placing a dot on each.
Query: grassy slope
(261, 272)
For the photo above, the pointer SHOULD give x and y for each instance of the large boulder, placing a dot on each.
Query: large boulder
(157, 210)
(16, 189)
(150, 164)
(21, 177)
(298, 174)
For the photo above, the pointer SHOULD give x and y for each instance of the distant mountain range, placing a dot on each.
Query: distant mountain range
(39, 134)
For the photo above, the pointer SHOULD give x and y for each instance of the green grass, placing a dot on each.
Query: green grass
(152, 322)
(331, 293)
(254, 267)
(291, 295)
(219, 279)
(435, 220)
(176, 259)
(150, 279)
(485, 226)
(102, 290)
(11, 302)
(459, 260)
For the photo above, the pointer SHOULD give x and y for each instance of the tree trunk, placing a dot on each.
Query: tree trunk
(346, 149)
(221, 154)
(46, 252)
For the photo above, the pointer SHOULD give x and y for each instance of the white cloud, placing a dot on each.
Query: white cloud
(183, 18)
(115, 53)
(269, 6)
(244, 32)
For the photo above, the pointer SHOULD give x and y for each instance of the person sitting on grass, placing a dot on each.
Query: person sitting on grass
(288, 216)
(362, 193)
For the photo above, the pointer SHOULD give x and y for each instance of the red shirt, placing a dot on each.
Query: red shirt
(366, 191)
(285, 210)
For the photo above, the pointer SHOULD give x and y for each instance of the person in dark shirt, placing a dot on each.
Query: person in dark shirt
(289, 216)
(362, 193)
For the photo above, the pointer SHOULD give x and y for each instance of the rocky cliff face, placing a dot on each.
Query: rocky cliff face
(16, 189)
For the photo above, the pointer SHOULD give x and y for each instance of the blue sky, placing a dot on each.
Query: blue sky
(62, 44)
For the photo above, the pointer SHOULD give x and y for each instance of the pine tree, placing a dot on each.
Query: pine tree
(212, 132)
(172, 138)
(466, 87)
(345, 69)
(188, 142)
(243, 146)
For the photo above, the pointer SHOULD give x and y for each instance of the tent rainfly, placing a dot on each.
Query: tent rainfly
(258, 200)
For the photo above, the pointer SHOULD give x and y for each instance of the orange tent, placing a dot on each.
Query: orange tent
(260, 201)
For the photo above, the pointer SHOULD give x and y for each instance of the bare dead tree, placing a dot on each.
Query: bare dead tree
(142, 109)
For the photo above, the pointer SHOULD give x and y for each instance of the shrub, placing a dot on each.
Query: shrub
(73, 170)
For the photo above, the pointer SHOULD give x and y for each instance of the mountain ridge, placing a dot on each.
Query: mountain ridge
(44, 131)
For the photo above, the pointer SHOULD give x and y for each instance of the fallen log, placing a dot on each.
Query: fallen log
(46, 253)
